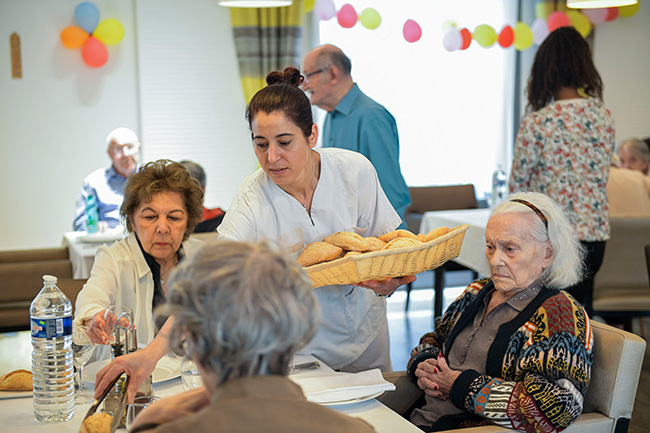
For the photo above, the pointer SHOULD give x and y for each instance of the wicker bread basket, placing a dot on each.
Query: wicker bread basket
(397, 262)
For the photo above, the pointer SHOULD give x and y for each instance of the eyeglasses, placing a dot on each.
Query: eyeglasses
(313, 73)
(125, 150)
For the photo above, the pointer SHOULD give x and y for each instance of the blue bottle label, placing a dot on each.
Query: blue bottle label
(51, 328)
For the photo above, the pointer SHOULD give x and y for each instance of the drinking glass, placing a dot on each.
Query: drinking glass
(139, 404)
(82, 350)
(190, 374)
(118, 314)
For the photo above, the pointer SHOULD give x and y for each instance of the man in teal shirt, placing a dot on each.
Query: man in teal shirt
(354, 121)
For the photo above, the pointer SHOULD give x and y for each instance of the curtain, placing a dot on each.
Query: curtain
(266, 39)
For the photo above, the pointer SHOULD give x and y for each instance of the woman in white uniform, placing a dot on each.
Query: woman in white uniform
(299, 196)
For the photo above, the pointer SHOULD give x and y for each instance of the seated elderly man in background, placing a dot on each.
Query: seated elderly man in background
(240, 312)
(635, 155)
(107, 184)
(514, 349)
(628, 192)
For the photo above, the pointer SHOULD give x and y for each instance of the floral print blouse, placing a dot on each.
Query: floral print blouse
(564, 151)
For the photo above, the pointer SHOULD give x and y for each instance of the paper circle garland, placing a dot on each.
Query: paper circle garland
(628, 11)
(484, 35)
(612, 14)
(595, 16)
(324, 10)
(523, 36)
(452, 40)
(540, 31)
(467, 38)
(558, 19)
(580, 22)
(370, 18)
(412, 31)
(347, 16)
(506, 36)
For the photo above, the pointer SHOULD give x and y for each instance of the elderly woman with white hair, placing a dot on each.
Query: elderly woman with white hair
(241, 310)
(635, 155)
(514, 349)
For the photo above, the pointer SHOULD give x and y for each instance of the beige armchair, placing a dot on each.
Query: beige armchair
(618, 357)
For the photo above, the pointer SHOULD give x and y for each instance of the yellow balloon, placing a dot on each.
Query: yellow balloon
(109, 31)
(628, 11)
(370, 18)
(447, 24)
(543, 9)
(484, 35)
(523, 36)
(308, 5)
(580, 22)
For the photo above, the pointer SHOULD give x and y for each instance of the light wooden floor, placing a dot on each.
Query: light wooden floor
(406, 329)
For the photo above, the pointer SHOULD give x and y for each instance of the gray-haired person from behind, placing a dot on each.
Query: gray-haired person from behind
(241, 311)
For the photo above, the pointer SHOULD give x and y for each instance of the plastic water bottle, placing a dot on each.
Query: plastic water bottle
(499, 186)
(52, 360)
(92, 215)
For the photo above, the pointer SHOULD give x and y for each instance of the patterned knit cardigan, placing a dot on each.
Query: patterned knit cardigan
(537, 369)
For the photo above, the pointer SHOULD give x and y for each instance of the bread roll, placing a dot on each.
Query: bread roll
(374, 244)
(349, 241)
(399, 233)
(96, 423)
(436, 233)
(17, 380)
(352, 253)
(318, 252)
(402, 243)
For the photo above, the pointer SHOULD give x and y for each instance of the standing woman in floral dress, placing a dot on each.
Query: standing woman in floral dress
(565, 144)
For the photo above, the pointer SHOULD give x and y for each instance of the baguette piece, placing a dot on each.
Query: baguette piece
(399, 233)
(402, 243)
(96, 423)
(17, 380)
(349, 241)
(436, 233)
(374, 244)
(318, 252)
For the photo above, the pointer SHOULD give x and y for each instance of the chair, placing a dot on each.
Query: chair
(621, 288)
(618, 358)
(433, 198)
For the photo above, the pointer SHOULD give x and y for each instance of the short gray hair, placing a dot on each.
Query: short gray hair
(567, 266)
(639, 146)
(333, 55)
(196, 171)
(122, 135)
(240, 309)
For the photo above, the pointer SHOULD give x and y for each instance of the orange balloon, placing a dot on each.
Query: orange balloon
(74, 37)
(467, 38)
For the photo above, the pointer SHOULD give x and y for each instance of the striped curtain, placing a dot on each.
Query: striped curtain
(266, 39)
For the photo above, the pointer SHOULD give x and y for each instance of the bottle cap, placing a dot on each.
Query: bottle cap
(49, 279)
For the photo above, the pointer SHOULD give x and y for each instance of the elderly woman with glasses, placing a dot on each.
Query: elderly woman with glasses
(514, 349)
(241, 311)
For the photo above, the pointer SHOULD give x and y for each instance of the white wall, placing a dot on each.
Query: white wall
(622, 56)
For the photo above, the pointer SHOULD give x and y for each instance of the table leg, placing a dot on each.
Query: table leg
(438, 289)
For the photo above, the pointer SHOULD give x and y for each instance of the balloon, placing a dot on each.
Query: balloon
(412, 31)
(540, 30)
(580, 22)
(612, 14)
(347, 16)
(467, 38)
(308, 5)
(628, 11)
(370, 18)
(485, 35)
(595, 16)
(447, 24)
(109, 31)
(87, 16)
(558, 19)
(325, 10)
(452, 40)
(523, 36)
(506, 37)
(94, 53)
(543, 9)
(73, 37)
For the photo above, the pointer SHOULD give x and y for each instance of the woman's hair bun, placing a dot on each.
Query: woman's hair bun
(290, 76)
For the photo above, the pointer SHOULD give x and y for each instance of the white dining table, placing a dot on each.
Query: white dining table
(472, 252)
(16, 414)
(82, 254)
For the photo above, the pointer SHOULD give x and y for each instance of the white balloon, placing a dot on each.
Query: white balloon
(540, 30)
(325, 10)
(452, 40)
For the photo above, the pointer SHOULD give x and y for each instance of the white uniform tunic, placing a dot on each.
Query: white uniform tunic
(348, 197)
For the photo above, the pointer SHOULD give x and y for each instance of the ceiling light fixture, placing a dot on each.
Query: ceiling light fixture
(594, 4)
(255, 3)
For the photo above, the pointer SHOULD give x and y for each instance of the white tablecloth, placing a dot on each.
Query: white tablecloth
(472, 253)
(16, 415)
(82, 255)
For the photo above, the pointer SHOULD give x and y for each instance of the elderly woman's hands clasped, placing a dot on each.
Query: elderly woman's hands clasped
(435, 377)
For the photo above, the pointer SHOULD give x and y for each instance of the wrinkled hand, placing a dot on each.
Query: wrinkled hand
(435, 377)
(174, 407)
(138, 365)
(99, 331)
(386, 287)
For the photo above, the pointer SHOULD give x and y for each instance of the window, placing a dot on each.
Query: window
(453, 110)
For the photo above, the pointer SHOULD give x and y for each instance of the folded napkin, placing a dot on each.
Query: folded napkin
(341, 387)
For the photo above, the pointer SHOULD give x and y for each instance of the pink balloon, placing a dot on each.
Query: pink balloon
(325, 10)
(558, 19)
(540, 30)
(412, 31)
(94, 53)
(595, 16)
(347, 16)
(452, 40)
